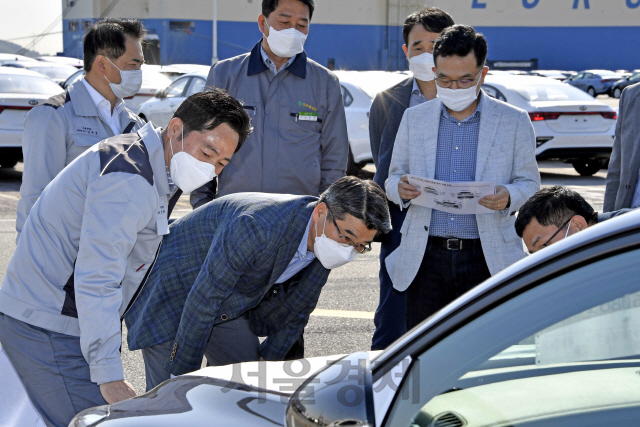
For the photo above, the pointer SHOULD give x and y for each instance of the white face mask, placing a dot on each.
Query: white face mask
(130, 83)
(422, 67)
(286, 43)
(187, 172)
(458, 99)
(331, 253)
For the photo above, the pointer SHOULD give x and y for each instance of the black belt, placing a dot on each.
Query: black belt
(454, 244)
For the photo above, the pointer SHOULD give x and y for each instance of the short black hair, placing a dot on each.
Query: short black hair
(109, 38)
(432, 19)
(269, 6)
(459, 40)
(361, 198)
(205, 111)
(554, 206)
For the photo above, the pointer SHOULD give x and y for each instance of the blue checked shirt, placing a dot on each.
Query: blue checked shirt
(456, 162)
(300, 260)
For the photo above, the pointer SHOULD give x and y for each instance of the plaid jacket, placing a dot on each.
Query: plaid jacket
(218, 263)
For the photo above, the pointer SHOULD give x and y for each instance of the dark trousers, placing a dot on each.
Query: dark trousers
(390, 315)
(444, 275)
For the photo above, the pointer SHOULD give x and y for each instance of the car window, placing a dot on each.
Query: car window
(176, 88)
(579, 76)
(28, 85)
(558, 92)
(588, 76)
(562, 353)
(54, 72)
(196, 85)
(346, 96)
(494, 93)
(74, 78)
(635, 77)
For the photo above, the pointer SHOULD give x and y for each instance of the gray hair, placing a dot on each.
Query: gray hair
(362, 199)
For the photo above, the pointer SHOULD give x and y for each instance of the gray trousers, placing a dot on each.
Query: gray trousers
(52, 369)
(229, 342)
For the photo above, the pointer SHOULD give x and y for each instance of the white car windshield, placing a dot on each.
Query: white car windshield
(154, 79)
(28, 85)
(373, 83)
(54, 72)
(559, 92)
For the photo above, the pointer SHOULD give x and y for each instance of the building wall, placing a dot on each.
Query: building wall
(366, 34)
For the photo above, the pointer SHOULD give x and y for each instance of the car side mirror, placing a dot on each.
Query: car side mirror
(159, 94)
(340, 394)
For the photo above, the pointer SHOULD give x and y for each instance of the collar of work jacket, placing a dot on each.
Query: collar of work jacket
(256, 65)
(84, 106)
(152, 137)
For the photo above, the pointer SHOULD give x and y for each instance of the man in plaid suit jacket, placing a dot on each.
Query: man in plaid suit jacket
(244, 266)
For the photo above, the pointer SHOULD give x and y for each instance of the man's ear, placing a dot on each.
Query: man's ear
(261, 24)
(174, 128)
(579, 223)
(404, 47)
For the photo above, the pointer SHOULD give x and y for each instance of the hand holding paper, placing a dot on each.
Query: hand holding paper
(498, 201)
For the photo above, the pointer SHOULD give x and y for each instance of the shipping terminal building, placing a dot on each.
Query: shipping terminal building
(367, 34)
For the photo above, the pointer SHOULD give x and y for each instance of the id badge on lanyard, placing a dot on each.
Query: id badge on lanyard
(162, 222)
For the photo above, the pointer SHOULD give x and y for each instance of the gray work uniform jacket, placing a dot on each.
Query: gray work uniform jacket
(88, 243)
(57, 132)
(285, 153)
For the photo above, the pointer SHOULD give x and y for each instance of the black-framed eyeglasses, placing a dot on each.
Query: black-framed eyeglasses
(446, 83)
(360, 248)
(544, 245)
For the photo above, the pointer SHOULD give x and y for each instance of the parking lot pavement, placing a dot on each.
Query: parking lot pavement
(343, 320)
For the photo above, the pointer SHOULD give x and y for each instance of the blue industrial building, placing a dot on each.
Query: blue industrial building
(560, 34)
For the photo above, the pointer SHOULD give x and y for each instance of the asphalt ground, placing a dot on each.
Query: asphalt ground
(343, 320)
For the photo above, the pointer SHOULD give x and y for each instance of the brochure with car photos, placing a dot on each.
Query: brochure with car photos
(451, 197)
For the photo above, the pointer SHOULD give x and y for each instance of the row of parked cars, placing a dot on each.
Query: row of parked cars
(594, 82)
(570, 125)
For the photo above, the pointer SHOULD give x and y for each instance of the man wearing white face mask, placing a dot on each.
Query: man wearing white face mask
(87, 245)
(463, 136)
(256, 269)
(420, 31)
(89, 111)
(300, 143)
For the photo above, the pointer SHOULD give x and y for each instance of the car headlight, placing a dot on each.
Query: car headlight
(90, 416)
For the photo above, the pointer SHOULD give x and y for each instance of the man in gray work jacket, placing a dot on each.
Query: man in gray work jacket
(87, 244)
(89, 111)
(300, 143)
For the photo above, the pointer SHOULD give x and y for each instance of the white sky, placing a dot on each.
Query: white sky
(24, 18)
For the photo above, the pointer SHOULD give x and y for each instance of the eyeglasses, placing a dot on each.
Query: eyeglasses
(548, 242)
(446, 82)
(360, 248)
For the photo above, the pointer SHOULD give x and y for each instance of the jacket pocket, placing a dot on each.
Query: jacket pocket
(509, 231)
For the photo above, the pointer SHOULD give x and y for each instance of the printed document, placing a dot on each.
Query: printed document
(452, 197)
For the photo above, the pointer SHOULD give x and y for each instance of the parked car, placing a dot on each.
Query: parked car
(550, 341)
(165, 102)
(20, 91)
(74, 62)
(594, 82)
(10, 57)
(359, 88)
(56, 72)
(552, 74)
(619, 86)
(166, 70)
(151, 82)
(193, 68)
(569, 125)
